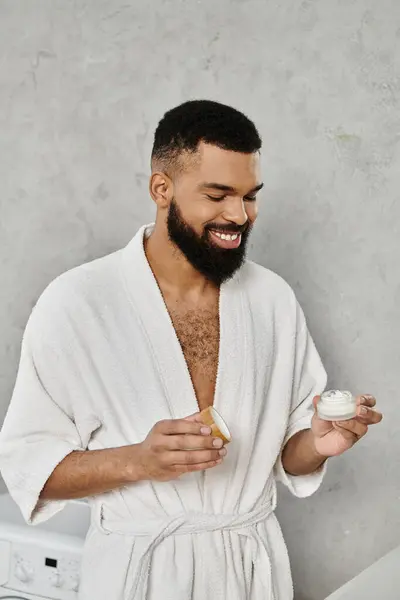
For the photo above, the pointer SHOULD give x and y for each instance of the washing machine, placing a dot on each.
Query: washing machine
(41, 562)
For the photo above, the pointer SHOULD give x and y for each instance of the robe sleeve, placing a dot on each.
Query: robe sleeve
(38, 431)
(309, 380)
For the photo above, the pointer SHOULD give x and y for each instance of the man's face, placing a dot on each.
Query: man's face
(213, 209)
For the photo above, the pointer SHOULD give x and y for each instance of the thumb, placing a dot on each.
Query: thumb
(319, 426)
(195, 417)
(315, 402)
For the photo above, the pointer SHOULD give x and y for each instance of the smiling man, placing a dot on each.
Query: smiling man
(121, 354)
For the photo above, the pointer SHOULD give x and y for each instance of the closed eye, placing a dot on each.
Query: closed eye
(220, 198)
(215, 198)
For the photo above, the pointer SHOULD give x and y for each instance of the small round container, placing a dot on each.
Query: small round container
(218, 426)
(337, 405)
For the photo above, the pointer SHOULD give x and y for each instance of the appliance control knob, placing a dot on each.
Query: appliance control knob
(24, 572)
(74, 583)
(56, 579)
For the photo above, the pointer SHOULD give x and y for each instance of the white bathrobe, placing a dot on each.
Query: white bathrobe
(101, 364)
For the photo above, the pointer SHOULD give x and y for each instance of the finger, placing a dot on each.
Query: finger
(194, 457)
(348, 435)
(366, 400)
(181, 470)
(315, 401)
(194, 417)
(368, 415)
(192, 442)
(181, 426)
(353, 427)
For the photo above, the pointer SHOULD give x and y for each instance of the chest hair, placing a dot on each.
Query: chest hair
(198, 333)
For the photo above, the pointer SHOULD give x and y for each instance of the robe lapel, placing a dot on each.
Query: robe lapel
(232, 350)
(234, 390)
(157, 326)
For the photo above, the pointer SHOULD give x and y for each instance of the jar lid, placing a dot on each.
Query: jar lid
(334, 396)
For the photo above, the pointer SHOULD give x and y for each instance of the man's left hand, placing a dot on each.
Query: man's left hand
(332, 438)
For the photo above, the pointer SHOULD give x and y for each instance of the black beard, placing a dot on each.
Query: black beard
(216, 264)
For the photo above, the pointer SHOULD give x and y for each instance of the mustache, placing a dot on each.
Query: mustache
(228, 228)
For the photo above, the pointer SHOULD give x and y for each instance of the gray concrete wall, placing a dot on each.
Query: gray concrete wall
(82, 86)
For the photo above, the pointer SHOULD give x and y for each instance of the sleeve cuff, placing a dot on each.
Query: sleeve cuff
(27, 488)
(300, 486)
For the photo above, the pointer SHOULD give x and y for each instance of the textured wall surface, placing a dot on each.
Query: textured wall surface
(82, 86)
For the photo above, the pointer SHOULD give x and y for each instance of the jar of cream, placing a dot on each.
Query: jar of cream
(337, 405)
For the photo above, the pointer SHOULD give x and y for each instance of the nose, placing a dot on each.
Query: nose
(235, 212)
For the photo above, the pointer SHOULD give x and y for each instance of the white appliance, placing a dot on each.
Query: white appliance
(41, 562)
(379, 581)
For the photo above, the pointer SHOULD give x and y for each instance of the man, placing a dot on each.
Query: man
(121, 354)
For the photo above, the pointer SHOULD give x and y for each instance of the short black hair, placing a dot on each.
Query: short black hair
(182, 129)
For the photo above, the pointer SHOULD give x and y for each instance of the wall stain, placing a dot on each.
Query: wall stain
(35, 64)
(347, 137)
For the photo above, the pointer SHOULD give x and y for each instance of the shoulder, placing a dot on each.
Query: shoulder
(258, 278)
(67, 297)
(270, 292)
(85, 280)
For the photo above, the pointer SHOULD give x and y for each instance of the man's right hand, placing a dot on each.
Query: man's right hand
(171, 449)
(178, 446)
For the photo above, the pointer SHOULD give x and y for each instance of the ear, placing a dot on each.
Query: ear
(161, 189)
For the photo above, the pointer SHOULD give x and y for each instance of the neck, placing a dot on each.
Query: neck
(171, 268)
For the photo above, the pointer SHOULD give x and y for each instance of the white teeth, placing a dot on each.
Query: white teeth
(227, 236)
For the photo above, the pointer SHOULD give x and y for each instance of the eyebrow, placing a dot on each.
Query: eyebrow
(228, 188)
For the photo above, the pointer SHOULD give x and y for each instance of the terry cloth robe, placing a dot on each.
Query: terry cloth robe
(101, 364)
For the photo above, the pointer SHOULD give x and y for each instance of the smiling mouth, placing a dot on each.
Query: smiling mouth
(226, 240)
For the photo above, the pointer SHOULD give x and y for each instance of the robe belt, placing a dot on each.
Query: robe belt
(194, 523)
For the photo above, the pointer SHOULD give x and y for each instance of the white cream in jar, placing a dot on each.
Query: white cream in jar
(337, 405)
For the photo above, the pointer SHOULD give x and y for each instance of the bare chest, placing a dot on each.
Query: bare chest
(198, 334)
